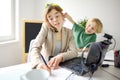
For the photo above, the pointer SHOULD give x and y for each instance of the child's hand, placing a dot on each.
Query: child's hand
(66, 15)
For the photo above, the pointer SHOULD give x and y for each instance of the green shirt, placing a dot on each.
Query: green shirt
(81, 38)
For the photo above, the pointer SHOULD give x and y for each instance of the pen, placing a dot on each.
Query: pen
(44, 60)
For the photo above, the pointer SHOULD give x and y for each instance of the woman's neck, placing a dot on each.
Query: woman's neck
(59, 29)
(59, 35)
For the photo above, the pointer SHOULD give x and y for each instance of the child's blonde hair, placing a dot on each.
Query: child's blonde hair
(99, 25)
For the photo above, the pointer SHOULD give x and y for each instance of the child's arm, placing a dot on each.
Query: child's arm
(66, 15)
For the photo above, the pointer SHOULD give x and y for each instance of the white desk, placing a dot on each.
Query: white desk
(14, 73)
(109, 73)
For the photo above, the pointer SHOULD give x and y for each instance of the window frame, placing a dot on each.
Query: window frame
(13, 23)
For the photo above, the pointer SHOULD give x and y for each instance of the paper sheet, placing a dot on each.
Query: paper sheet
(60, 74)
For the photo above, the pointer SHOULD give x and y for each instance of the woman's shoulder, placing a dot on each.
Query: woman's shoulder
(67, 29)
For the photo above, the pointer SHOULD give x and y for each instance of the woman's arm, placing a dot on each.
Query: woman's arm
(37, 46)
(71, 47)
(68, 52)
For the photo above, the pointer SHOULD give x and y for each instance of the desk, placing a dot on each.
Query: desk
(109, 73)
(98, 75)
(14, 73)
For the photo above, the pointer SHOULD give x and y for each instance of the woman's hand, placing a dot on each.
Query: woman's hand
(43, 66)
(54, 62)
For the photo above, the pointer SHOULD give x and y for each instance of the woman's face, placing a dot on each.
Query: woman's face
(55, 18)
(90, 28)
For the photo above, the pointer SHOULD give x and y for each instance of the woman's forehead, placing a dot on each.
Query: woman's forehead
(53, 12)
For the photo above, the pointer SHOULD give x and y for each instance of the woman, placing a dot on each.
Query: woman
(53, 40)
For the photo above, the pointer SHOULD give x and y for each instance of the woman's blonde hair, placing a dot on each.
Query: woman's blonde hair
(99, 25)
(48, 8)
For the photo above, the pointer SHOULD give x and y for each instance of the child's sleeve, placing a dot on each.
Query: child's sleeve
(77, 27)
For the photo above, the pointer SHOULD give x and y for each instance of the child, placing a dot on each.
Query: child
(84, 36)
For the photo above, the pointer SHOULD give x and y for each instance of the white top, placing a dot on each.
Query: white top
(57, 47)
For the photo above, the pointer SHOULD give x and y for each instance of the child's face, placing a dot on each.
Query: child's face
(90, 27)
(55, 18)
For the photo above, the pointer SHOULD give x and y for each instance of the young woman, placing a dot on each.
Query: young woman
(53, 40)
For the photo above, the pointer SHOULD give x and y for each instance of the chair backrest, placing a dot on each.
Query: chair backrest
(28, 57)
(30, 30)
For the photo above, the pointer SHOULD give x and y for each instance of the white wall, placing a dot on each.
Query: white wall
(10, 54)
(107, 10)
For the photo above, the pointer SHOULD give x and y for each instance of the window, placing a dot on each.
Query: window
(7, 16)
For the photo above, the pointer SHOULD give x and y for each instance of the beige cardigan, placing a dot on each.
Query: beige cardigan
(44, 44)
